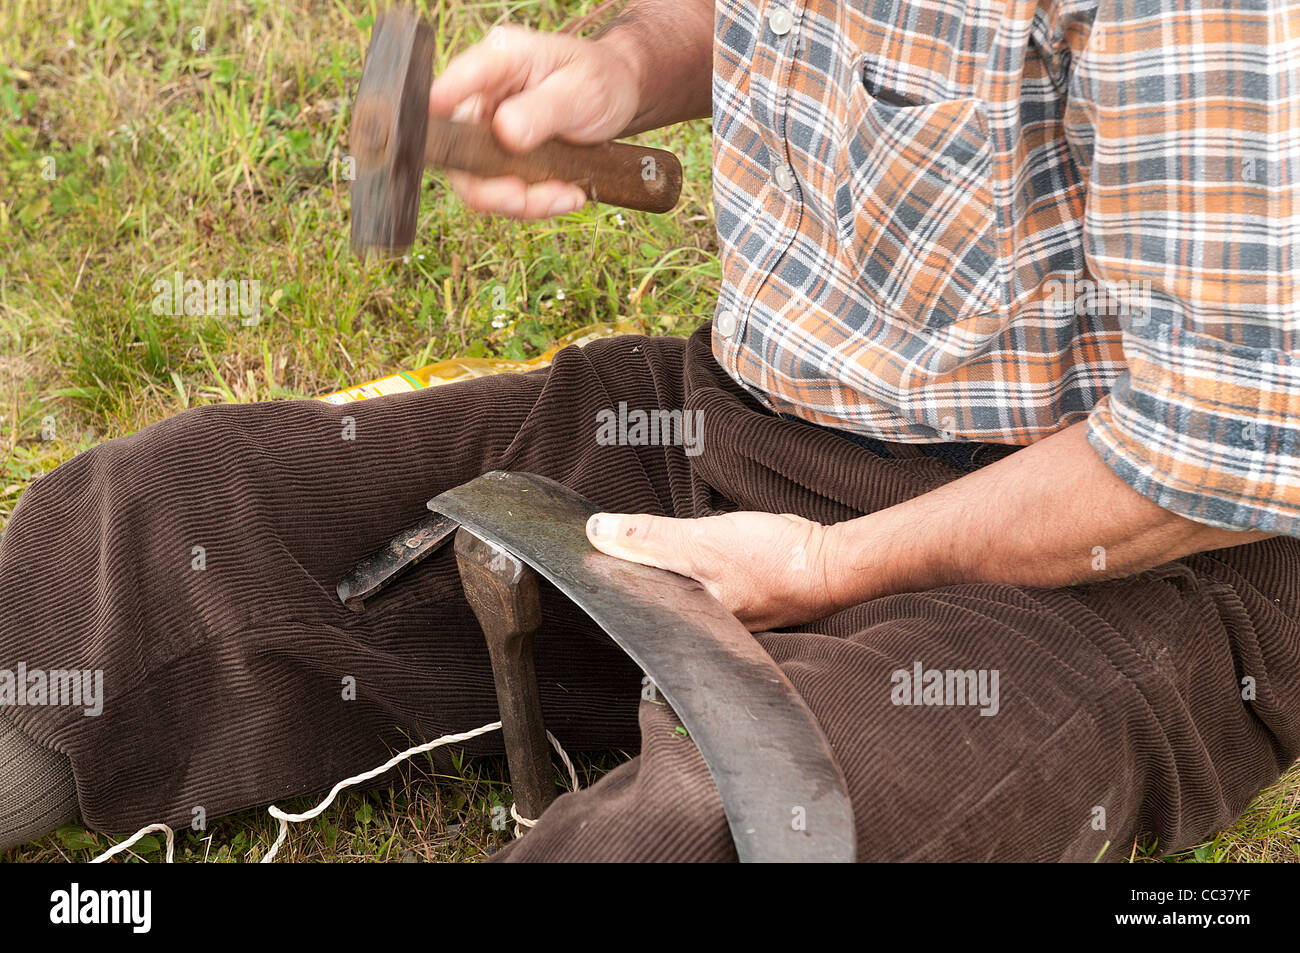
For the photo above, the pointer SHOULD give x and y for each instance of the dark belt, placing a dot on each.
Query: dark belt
(965, 456)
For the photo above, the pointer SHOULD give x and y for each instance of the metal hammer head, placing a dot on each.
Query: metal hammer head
(390, 122)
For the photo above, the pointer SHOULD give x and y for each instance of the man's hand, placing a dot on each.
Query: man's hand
(1052, 514)
(533, 87)
(649, 68)
(768, 570)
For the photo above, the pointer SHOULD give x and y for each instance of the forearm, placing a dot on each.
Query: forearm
(1049, 515)
(669, 44)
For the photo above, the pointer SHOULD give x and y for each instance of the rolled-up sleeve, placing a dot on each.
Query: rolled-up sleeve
(1206, 429)
(1189, 118)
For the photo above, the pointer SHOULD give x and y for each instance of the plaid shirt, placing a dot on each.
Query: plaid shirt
(975, 221)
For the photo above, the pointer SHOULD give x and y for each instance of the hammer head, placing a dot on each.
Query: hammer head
(390, 123)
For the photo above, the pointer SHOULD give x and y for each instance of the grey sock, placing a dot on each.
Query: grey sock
(37, 789)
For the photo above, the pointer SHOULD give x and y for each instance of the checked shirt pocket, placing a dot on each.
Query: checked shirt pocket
(914, 206)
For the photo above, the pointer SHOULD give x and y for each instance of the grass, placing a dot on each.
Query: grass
(420, 816)
(126, 155)
(139, 138)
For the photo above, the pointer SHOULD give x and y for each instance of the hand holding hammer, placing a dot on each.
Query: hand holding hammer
(393, 138)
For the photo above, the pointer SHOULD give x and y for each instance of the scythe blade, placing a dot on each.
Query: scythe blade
(768, 756)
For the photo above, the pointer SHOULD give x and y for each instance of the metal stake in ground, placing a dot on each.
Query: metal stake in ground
(503, 593)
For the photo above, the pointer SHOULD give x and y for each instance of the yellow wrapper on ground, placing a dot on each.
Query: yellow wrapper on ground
(464, 368)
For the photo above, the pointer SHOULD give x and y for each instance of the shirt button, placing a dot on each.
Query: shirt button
(780, 20)
(726, 323)
(784, 178)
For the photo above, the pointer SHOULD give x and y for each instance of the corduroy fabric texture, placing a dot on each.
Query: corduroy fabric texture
(37, 789)
(224, 686)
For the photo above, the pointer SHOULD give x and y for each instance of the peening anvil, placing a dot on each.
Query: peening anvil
(764, 749)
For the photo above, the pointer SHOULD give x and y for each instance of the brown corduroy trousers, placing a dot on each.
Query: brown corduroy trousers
(194, 563)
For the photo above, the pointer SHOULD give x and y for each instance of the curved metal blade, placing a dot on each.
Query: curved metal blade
(784, 796)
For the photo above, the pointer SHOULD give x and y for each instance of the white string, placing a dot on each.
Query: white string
(564, 756)
(525, 823)
(521, 821)
(126, 844)
(286, 819)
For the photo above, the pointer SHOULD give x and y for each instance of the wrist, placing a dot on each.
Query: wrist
(668, 51)
(628, 50)
(873, 556)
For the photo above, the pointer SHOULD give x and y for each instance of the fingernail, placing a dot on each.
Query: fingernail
(466, 110)
(514, 205)
(563, 205)
(601, 526)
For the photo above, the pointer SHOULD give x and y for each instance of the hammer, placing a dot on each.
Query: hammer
(393, 138)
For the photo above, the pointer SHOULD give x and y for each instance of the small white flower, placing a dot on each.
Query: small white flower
(618, 220)
(498, 321)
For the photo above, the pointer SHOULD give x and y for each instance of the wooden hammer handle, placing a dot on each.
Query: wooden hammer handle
(616, 173)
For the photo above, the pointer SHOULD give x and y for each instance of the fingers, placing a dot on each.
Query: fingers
(493, 68)
(508, 80)
(525, 121)
(512, 197)
(528, 85)
(509, 195)
(651, 540)
(561, 105)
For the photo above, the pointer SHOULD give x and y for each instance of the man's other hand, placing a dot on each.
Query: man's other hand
(532, 87)
(768, 570)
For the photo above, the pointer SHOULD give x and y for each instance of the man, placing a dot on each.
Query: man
(1000, 385)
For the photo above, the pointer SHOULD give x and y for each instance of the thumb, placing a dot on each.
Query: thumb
(557, 107)
(641, 538)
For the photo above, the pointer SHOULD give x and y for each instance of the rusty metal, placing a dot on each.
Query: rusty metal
(390, 122)
(408, 548)
(503, 592)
